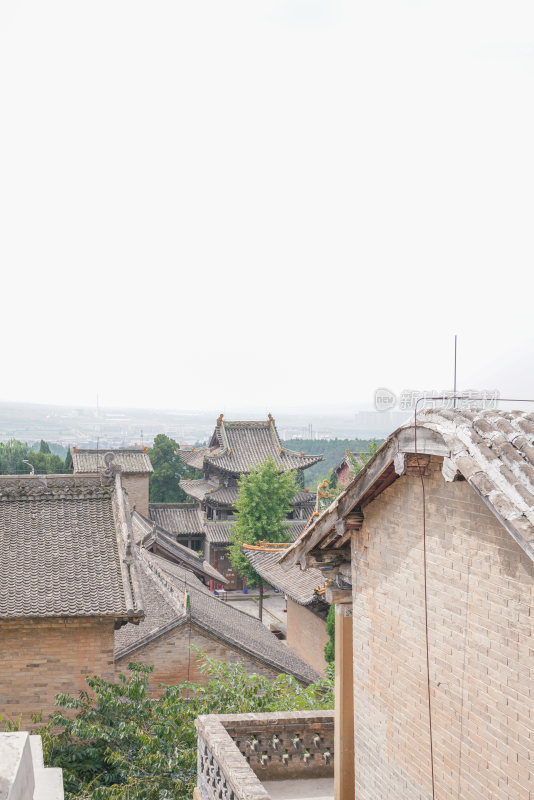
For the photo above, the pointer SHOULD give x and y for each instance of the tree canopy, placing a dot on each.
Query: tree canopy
(264, 501)
(169, 469)
(332, 451)
(115, 742)
(13, 454)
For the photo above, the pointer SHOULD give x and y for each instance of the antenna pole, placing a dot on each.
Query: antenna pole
(455, 342)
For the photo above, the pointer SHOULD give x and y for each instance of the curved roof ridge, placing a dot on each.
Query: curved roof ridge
(492, 449)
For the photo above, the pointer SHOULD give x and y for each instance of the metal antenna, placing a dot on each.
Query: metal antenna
(455, 341)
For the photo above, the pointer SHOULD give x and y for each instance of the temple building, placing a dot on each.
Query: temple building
(233, 450)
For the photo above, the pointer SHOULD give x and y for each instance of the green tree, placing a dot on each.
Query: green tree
(68, 459)
(43, 464)
(332, 450)
(13, 454)
(44, 447)
(330, 646)
(356, 466)
(115, 742)
(264, 501)
(168, 470)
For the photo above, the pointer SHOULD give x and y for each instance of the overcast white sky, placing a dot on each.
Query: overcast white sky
(264, 204)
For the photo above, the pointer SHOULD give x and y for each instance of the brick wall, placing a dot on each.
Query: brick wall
(174, 661)
(306, 635)
(480, 591)
(344, 475)
(39, 658)
(137, 487)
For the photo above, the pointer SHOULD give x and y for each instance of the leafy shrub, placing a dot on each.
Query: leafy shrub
(115, 742)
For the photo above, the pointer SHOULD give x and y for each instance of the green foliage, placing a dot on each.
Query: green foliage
(44, 447)
(169, 469)
(13, 453)
(330, 646)
(332, 451)
(68, 459)
(115, 742)
(356, 467)
(264, 501)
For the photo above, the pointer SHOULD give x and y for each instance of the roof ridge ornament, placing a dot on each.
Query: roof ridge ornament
(219, 420)
(112, 467)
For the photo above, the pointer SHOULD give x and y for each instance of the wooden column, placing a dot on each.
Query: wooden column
(344, 708)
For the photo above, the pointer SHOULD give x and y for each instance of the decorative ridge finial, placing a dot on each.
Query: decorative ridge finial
(271, 418)
(220, 419)
(111, 466)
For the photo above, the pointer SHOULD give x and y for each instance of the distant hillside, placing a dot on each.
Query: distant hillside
(332, 451)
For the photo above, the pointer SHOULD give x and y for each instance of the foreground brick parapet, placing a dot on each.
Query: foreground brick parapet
(236, 752)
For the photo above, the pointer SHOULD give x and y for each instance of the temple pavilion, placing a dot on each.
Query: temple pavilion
(233, 450)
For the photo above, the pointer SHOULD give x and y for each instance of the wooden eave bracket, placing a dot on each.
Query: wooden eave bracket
(336, 596)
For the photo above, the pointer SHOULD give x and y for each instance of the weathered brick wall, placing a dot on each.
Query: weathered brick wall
(137, 487)
(174, 661)
(306, 635)
(39, 658)
(480, 593)
(344, 475)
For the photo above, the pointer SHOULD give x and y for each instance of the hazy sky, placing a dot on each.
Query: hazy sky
(266, 203)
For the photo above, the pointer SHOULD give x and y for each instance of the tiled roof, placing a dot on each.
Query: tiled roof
(298, 584)
(304, 498)
(198, 488)
(219, 532)
(151, 535)
(296, 526)
(211, 493)
(195, 457)
(130, 461)
(236, 447)
(226, 496)
(247, 634)
(65, 545)
(179, 518)
(162, 609)
(492, 449)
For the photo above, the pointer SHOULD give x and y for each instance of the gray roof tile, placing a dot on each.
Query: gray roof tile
(237, 447)
(181, 519)
(220, 532)
(130, 461)
(150, 535)
(483, 447)
(219, 619)
(298, 584)
(63, 548)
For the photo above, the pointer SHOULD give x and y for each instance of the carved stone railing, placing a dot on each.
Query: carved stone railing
(237, 752)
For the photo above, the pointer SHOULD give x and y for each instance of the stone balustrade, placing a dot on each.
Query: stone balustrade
(237, 752)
